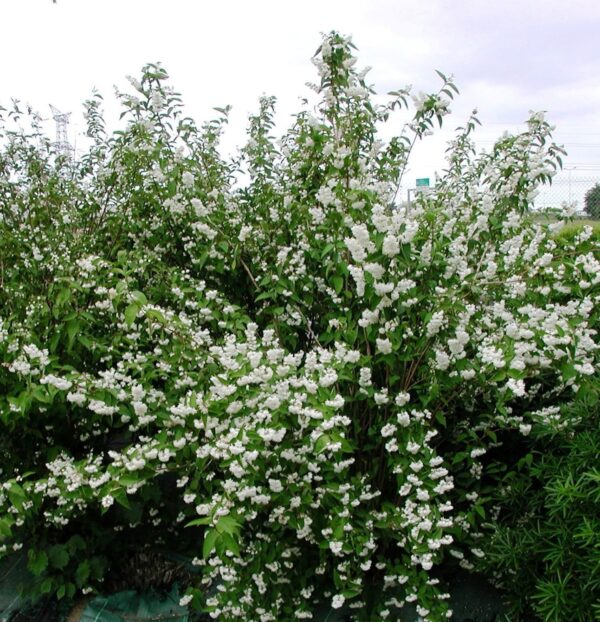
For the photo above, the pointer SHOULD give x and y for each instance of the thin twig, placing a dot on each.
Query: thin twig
(248, 272)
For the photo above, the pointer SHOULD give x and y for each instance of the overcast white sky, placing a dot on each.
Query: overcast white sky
(508, 57)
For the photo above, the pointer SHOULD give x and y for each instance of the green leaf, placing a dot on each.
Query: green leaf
(499, 376)
(155, 314)
(131, 313)
(348, 594)
(86, 342)
(54, 342)
(228, 524)
(58, 556)
(210, 540)
(139, 297)
(38, 562)
(328, 247)
(61, 298)
(46, 586)
(40, 393)
(75, 543)
(231, 544)
(5, 527)
(264, 296)
(199, 521)
(72, 330)
(120, 497)
(16, 492)
(459, 457)
(568, 371)
(322, 443)
(338, 283)
(202, 259)
(82, 573)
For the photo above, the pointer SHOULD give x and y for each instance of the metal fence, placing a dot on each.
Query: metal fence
(568, 186)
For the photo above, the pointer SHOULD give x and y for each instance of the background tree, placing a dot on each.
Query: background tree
(592, 202)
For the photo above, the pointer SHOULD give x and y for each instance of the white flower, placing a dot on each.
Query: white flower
(185, 600)
(270, 435)
(412, 448)
(390, 247)
(158, 101)
(60, 383)
(107, 501)
(392, 445)
(381, 397)
(76, 398)
(403, 419)
(516, 386)
(275, 485)
(137, 392)
(525, 428)
(384, 345)
(199, 207)
(337, 601)
(435, 323)
(364, 377)
(336, 547)
(336, 402)
(388, 430)
(272, 402)
(442, 360)
(188, 179)
(139, 408)
(402, 398)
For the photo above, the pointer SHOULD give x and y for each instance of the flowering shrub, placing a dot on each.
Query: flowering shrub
(290, 371)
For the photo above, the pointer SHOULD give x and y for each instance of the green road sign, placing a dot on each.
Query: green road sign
(424, 181)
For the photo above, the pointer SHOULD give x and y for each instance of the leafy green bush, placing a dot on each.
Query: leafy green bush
(544, 549)
(268, 360)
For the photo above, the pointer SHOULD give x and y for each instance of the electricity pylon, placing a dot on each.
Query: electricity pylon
(61, 144)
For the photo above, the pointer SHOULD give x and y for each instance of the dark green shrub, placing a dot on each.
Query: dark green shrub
(545, 548)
